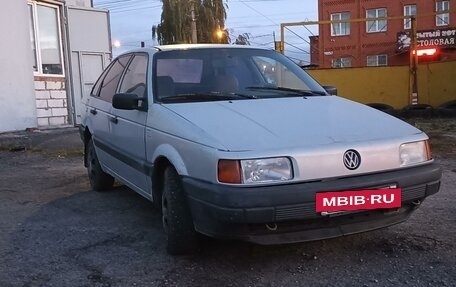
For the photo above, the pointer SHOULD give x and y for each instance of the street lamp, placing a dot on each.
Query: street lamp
(116, 44)
(220, 34)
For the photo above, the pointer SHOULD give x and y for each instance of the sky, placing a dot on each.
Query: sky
(132, 21)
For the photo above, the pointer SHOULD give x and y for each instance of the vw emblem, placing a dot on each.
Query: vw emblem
(352, 159)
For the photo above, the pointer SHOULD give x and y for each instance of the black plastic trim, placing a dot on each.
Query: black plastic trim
(136, 163)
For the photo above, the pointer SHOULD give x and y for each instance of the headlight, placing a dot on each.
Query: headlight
(414, 153)
(253, 171)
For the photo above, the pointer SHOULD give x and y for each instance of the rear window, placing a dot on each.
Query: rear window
(181, 70)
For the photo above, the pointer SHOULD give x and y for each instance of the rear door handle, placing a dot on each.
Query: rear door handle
(114, 120)
(93, 111)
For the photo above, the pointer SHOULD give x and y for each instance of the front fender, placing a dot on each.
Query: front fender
(173, 156)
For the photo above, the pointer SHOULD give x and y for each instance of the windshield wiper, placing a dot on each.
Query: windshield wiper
(205, 97)
(290, 90)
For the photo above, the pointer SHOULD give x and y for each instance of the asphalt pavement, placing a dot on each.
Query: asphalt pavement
(58, 139)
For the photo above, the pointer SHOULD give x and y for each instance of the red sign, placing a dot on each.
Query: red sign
(358, 200)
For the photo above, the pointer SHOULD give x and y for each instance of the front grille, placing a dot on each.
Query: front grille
(307, 210)
(412, 193)
(325, 222)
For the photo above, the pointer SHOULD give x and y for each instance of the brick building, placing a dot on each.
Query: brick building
(381, 42)
(51, 53)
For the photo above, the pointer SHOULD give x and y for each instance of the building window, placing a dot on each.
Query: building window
(377, 60)
(45, 38)
(342, 28)
(341, 63)
(443, 16)
(380, 25)
(409, 10)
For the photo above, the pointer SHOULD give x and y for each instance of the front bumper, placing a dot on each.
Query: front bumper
(286, 213)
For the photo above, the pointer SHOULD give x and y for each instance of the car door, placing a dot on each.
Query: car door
(128, 127)
(99, 106)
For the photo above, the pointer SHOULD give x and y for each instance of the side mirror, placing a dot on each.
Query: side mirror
(127, 102)
(330, 90)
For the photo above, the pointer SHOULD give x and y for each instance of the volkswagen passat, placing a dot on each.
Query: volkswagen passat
(240, 143)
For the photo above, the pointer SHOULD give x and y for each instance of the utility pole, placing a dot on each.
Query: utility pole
(194, 33)
(414, 63)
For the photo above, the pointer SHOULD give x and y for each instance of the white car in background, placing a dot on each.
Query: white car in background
(240, 143)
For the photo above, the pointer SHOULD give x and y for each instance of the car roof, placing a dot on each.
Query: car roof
(200, 46)
(176, 47)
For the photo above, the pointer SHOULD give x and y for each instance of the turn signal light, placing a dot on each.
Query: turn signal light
(428, 150)
(229, 171)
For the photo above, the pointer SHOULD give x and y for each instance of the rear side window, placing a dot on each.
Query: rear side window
(134, 81)
(111, 80)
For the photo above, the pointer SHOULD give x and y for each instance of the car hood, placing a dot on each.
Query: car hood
(278, 123)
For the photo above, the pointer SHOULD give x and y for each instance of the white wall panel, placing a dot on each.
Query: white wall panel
(17, 94)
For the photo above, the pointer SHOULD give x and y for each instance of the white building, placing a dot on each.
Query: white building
(51, 53)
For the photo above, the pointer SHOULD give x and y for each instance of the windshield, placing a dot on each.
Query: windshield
(212, 74)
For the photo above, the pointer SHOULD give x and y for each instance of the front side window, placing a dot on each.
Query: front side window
(377, 60)
(134, 81)
(111, 80)
(342, 28)
(345, 62)
(374, 24)
(45, 38)
(443, 16)
(409, 10)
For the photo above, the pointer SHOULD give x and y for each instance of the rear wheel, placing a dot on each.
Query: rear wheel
(99, 180)
(176, 217)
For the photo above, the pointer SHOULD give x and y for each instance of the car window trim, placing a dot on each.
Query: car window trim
(123, 71)
(133, 55)
(100, 80)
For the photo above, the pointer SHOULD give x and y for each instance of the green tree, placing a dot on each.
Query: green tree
(176, 20)
(243, 39)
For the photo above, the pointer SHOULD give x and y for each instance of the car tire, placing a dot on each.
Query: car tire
(384, 108)
(418, 110)
(99, 180)
(447, 109)
(177, 221)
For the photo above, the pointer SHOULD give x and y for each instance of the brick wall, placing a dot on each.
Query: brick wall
(51, 101)
(359, 44)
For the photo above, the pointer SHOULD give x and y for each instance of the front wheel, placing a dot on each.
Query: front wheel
(176, 217)
(99, 180)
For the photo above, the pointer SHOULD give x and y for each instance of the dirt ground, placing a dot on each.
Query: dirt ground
(55, 231)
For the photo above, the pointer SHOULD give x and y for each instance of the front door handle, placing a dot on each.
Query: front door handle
(114, 120)
(93, 111)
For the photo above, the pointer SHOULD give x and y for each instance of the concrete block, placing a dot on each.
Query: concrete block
(41, 113)
(55, 103)
(42, 95)
(41, 104)
(43, 122)
(58, 112)
(57, 121)
(40, 85)
(53, 85)
(58, 94)
(65, 103)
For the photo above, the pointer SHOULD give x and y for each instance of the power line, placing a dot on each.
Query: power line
(296, 47)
